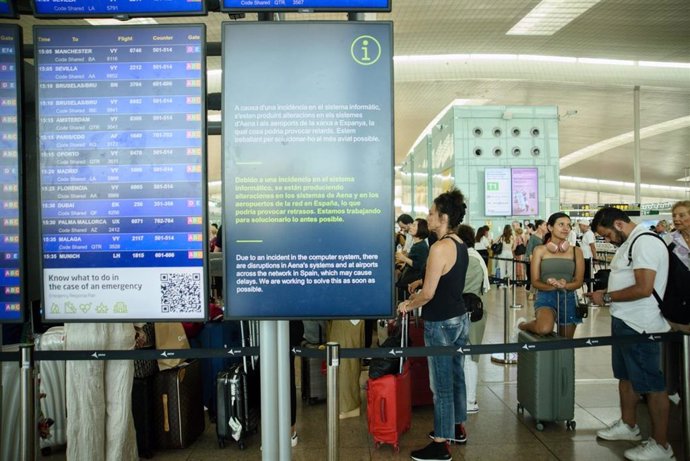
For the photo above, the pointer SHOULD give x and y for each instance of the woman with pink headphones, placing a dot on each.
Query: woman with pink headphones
(557, 270)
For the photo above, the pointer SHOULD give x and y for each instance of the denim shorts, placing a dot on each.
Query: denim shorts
(567, 313)
(639, 363)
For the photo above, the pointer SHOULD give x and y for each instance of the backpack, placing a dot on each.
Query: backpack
(675, 305)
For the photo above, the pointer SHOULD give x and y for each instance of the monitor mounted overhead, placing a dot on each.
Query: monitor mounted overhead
(8, 10)
(234, 6)
(121, 9)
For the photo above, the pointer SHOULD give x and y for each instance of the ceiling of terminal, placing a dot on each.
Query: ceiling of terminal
(458, 49)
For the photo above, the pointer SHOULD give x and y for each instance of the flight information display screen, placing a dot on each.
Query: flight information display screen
(94, 8)
(10, 168)
(122, 158)
(310, 5)
(7, 9)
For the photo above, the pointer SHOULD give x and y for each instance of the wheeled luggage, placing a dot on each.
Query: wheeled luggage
(52, 384)
(546, 382)
(142, 413)
(313, 378)
(238, 396)
(178, 411)
(419, 366)
(217, 335)
(389, 405)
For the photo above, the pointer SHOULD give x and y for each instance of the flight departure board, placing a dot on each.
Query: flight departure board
(309, 5)
(100, 8)
(10, 168)
(122, 159)
(7, 9)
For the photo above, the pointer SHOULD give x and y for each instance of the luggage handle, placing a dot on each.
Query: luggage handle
(166, 415)
(403, 339)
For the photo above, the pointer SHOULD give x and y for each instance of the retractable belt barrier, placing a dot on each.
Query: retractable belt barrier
(479, 349)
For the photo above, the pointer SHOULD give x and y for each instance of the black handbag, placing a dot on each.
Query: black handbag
(381, 366)
(497, 248)
(474, 306)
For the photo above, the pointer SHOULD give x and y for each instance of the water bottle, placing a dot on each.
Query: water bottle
(398, 248)
(498, 273)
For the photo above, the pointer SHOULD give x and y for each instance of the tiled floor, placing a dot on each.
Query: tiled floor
(497, 432)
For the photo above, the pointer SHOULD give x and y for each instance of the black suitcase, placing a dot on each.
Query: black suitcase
(238, 397)
(178, 410)
(313, 378)
(142, 412)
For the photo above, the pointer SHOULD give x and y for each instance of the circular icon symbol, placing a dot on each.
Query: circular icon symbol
(365, 50)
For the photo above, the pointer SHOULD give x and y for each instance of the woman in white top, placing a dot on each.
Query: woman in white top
(505, 263)
(482, 243)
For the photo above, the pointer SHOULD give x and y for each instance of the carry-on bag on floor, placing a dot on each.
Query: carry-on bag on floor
(546, 382)
(52, 384)
(313, 378)
(238, 392)
(389, 406)
(419, 366)
(178, 411)
(216, 335)
(142, 413)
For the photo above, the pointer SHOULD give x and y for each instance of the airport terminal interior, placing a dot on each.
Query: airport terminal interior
(588, 99)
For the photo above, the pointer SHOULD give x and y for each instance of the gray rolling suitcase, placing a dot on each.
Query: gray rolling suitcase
(313, 378)
(546, 382)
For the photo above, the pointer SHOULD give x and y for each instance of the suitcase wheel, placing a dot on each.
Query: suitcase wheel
(540, 426)
(570, 425)
(241, 445)
(396, 448)
(520, 408)
(377, 445)
(221, 442)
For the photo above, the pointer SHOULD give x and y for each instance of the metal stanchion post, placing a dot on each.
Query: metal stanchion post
(505, 358)
(26, 389)
(514, 286)
(333, 362)
(686, 396)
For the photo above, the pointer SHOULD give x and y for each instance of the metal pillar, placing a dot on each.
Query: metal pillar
(269, 391)
(505, 358)
(636, 155)
(333, 412)
(26, 394)
(283, 357)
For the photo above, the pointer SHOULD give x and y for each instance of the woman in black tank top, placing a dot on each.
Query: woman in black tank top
(445, 324)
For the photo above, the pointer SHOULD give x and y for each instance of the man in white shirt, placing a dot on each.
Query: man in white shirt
(589, 249)
(634, 310)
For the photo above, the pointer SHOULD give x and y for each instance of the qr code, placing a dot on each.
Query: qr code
(180, 293)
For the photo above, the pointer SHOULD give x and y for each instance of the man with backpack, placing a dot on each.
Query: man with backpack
(636, 273)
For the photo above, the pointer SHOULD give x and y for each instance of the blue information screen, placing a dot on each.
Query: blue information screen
(10, 136)
(86, 8)
(6, 10)
(308, 169)
(314, 5)
(122, 158)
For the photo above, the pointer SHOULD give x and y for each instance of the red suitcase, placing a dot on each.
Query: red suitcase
(389, 405)
(419, 366)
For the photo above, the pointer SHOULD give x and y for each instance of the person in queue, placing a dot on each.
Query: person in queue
(445, 324)
(477, 282)
(415, 260)
(557, 270)
(680, 212)
(482, 243)
(634, 310)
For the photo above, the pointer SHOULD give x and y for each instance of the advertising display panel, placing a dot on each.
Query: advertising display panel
(497, 198)
(121, 125)
(305, 5)
(525, 191)
(308, 169)
(109, 8)
(11, 268)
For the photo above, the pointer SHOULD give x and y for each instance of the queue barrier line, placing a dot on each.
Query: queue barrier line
(346, 353)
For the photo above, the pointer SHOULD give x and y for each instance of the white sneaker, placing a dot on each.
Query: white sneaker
(620, 431)
(516, 329)
(674, 398)
(294, 439)
(472, 407)
(649, 450)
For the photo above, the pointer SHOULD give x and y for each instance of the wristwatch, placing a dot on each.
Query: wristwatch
(607, 298)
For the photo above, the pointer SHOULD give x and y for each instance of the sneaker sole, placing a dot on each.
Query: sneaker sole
(635, 438)
(452, 441)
